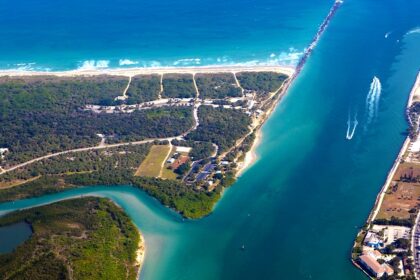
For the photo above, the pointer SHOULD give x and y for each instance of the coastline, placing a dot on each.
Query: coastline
(411, 98)
(140, 253)
(414, 96)
(251, 157)
(129, 72)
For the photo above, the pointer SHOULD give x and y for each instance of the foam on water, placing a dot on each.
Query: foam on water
(126, 62)
(94, 64)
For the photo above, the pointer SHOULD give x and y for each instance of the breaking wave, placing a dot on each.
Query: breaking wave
(187, 62)
(289, 58)
(415, 30)
(94, 64)
(124, 62)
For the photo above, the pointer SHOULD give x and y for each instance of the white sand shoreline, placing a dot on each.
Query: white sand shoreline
(151, 70)
(140, 253)
(251, 157)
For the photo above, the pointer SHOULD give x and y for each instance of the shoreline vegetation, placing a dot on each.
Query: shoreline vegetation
(386, 247)
(201, 161)
(81, 238)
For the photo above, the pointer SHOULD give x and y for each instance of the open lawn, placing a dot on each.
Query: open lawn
(399, 200)
(168, 174)
(153, 163)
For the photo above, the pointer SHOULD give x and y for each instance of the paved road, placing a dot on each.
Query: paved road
(416, 247)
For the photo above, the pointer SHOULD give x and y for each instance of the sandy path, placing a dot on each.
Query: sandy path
(161, 87)
(126, 89)
(238, 84)
(166, 158)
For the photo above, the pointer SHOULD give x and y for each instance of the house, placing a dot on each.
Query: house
(373, 240)
(372, 265)
(388, 269)
(182, 149)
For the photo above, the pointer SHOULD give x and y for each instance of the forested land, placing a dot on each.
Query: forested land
(217, 86)
(85, 238)
(41, 115)
(143, 88)
(261, 82)
(200, 150)
(178, 86)
(220, 126)
(115, 166)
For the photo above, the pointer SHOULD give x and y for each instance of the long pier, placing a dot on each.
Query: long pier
(315, 40)
(308, 51)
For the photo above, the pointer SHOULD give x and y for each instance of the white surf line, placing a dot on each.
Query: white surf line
(238, 84)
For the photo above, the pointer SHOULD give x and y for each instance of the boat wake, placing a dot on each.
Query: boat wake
(372, 100)
(351, 127)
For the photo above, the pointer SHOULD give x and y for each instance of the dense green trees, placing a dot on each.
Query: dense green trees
(88, 238)
(217, 86)
(189, 202)
(143, 88)
(40, 115)
(220, 126)
(200, 150)
(178, 86)
(261, 82)
(123, 158)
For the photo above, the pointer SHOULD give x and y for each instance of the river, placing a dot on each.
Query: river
(297, 210)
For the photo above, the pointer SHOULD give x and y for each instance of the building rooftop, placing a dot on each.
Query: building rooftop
(373, 264)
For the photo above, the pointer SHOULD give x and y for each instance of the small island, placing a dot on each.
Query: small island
(85, 238)
(387, 247)
(181, 135)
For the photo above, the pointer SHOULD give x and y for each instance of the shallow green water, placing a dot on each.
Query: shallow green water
(297, 210)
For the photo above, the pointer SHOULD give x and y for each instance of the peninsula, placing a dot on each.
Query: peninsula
(387, 247)
(85, 238)
(181, 135)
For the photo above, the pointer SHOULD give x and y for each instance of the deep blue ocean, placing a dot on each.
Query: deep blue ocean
(63, 35)
(297, 210)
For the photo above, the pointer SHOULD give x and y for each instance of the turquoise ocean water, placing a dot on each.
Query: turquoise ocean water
(298, 209)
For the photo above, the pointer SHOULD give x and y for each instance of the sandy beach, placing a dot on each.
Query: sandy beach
(141, 251)
(152, 70)
(251, 156)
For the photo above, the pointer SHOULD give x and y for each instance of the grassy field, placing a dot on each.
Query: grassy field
(403, 194)
(399, 200)
(168, 174)
(152, 165)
